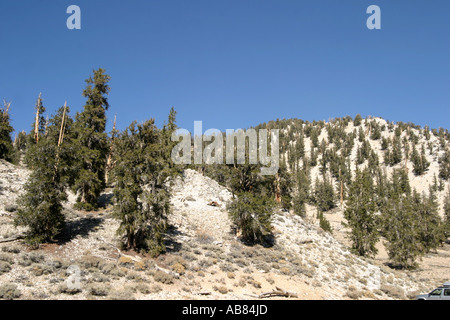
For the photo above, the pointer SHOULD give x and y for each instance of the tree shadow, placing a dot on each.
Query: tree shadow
(79, 227)
(170, 242)
(105, 199)
(268, 241)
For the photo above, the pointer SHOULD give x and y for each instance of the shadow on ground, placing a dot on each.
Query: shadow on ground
(79, 227)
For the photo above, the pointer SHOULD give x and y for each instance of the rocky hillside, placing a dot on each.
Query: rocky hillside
(204, 258)
(331, 136)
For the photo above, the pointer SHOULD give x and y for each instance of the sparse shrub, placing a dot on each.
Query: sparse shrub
(6, 258)
(124, 294)
(285, 270)
(205, 263)
(270, 280)
(63, 288)
(353, 293)
(98, 289)
(163, 277)
(155, 289)
(11, 249)
(39, 269)
(143, 288)
(178, 268)
(9, 291)
(221, 289)
(4, 267)
(393, 291)
(36, 257)
(204, 237)
(227, 267)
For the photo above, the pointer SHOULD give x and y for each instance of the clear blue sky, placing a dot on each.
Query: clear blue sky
(230, 63)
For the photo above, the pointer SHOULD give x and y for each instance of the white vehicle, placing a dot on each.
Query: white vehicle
(441, 293)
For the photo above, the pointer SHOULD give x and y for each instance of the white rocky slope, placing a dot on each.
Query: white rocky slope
(205, 259)
(310, 256)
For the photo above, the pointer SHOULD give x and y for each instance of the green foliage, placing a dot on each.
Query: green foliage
(447, 214)
(302, 196)
(141, 172)
(444, 165)
(357, 121)
(91, 142)
(6, 147)
(420, 161)
(430, 229)
(400, 229)
(323, 222)
(252, 216)
(324, 194)
(360, 214)
(40, 207)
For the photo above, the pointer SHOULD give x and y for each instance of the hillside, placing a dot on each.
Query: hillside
(204, 258)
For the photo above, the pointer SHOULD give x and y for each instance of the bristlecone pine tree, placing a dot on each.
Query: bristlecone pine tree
(360, 214)
(252, 216)
(141, 171)
(420, 161)
(91, 141)
(6, 147)
(40, 207)
(447, 214)
(400, 225)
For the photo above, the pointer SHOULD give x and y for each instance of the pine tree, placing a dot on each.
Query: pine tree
(324, 195)
(40, 207)
(252, 216)
(420, 162)
(430, 228)
(323, 222)
(396, 154)
(141, 173)
(91, 140)
(400, 230)
(6, 146)
(360, 214)
(444, 165)
(302, 196)
(357, 121)
(447, 214)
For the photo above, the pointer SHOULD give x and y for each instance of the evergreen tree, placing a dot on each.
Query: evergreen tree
(141, 193)
(357, 121)
(447, 214)
(323, 222)
(420, 162)
(400, 230)
(396, 154)
(360, 214)
(40, 207)
(91, 140)
(252, 216)
(302, 196)
(6, 146)
(324, 195)
(444, 165)
(430, 228)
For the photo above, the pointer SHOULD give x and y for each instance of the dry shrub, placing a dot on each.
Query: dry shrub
(160, 276)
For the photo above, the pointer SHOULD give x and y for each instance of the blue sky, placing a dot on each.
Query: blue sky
(230, 63)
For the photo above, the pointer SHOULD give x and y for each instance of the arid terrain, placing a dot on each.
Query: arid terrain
(204, 258)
